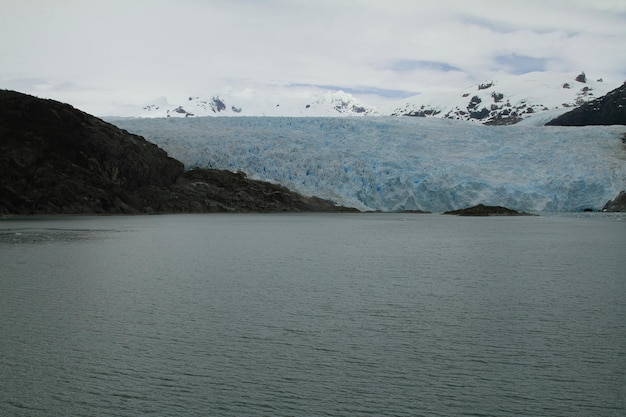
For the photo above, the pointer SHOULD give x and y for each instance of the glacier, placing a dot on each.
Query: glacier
(403, 163)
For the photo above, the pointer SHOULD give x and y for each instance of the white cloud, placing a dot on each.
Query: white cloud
(134, 50)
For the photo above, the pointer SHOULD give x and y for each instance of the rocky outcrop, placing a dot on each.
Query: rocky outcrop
(607, 110)
(212, 190)
(616, 205)
(482, 210)
(55, 159)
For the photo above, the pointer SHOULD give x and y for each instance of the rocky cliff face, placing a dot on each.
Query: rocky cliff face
(616, 205)
(56, 159)
(606, 110)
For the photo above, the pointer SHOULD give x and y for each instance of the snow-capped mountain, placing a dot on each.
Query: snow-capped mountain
(509, 99)
(258, 103)
(535, 97)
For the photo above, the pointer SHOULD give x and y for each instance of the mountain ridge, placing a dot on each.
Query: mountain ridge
(257, 103)
(536, 96)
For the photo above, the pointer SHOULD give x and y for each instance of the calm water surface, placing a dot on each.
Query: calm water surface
(313, 315)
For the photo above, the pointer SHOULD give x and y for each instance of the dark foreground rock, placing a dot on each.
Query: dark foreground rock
(212, 190)
(616, 205)
(55, 159)
(482, 210)
(607, 110)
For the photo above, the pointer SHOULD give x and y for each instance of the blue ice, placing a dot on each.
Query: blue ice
(406, 163)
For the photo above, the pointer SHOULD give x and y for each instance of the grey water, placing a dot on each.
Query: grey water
(313, 315)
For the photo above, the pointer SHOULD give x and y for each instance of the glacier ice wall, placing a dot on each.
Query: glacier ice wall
(393, 164)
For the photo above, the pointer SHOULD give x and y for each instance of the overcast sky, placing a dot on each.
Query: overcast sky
(100, 54)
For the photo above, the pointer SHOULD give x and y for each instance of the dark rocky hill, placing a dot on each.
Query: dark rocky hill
(606, 110)
(55, 159)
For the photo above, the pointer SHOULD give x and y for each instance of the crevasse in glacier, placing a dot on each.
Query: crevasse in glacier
(396, 164)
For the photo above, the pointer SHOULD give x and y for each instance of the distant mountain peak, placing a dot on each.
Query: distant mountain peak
(507, 100)
(254, 103)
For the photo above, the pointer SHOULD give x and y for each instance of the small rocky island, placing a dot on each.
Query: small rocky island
(55, 159)
(482, 210)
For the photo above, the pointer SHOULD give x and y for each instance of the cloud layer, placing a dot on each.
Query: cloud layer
(115, 52)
